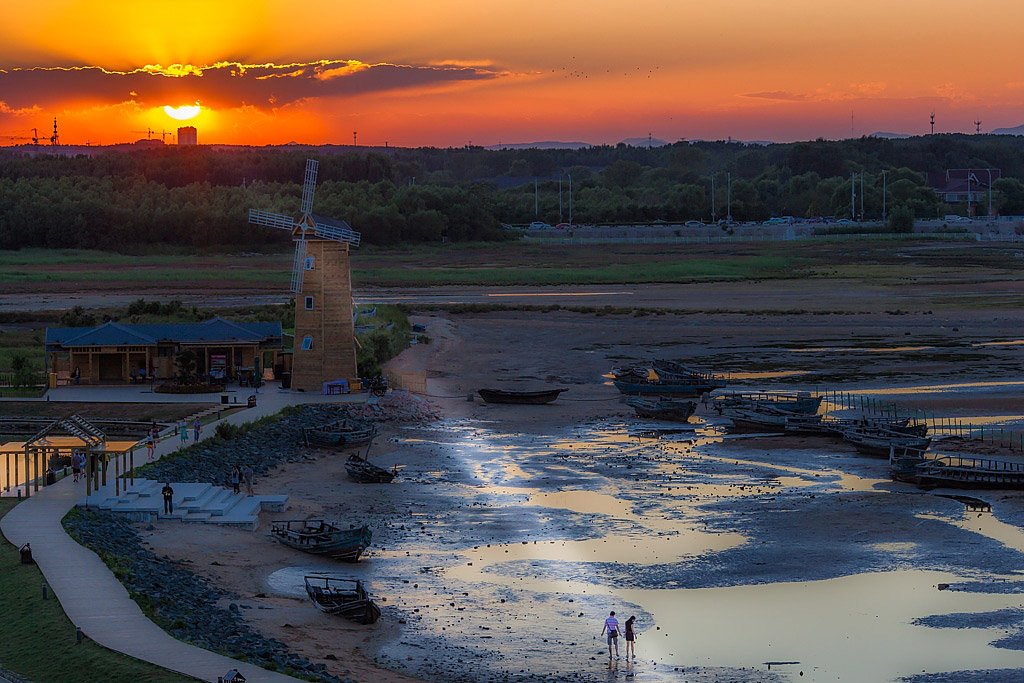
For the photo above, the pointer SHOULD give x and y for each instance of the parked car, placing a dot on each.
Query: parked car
(539, 225)
(564, 226)
(694, 224)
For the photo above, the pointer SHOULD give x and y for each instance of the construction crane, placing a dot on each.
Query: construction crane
(34, 139)
(149, 133)
(164, 134)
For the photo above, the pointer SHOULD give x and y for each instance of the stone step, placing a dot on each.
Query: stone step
(196, 517)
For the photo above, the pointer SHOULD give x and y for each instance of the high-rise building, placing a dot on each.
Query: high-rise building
(187, 135)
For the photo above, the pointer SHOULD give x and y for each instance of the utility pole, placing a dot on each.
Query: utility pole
(933, 123)
(536, 198)
(977, 127)
(862, 195)
(989, 192)
(570, 198)
(559, 199)
(354, 138)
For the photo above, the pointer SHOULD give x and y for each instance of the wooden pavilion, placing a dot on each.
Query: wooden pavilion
(28, 461)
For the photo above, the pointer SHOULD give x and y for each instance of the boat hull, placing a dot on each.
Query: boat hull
(519, 397)
(325, 540)
(675, 411)
(366, 472)
(660, 388)
(342, 597)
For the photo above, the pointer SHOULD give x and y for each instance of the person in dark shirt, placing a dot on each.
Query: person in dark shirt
(168, 498)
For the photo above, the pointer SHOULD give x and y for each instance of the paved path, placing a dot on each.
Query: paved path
(95, 600)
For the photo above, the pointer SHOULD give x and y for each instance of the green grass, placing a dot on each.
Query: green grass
(39, 640)
(26, 342)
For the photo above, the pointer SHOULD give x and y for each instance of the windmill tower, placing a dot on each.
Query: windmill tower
(321, 279)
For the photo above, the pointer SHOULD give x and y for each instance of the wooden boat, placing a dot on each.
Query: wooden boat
(670, 369)
(762, 418)
(802, 403)
(319, 537)
(663, 408)
(879, 441)
(965, 472)
(343, 597)
(670, 388)
(365, 472)
(340, 434)
(899, 425)
(520, 397)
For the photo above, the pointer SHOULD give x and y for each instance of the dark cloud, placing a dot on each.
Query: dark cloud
(777, 95)
(221, 85)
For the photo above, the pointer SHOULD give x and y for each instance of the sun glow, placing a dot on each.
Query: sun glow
(182, 113)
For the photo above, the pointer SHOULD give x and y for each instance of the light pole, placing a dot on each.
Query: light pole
(883, 195)
(728, 215)
(712, 197)
(570, 197)
(559, 199)
(989, 192)
(853, 196)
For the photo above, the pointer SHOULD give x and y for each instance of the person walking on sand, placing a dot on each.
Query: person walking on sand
(197, 427)
(168, 493)
(247, 477)
(150, 446)
(236, 477)
(183, 432)
(611, 626)
(630, 635)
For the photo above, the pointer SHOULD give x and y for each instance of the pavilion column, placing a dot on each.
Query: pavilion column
(28, 475)
(7, 470)
(131, 461)
(16, 484)
(88, 475)
(101, 459)
(117, 473)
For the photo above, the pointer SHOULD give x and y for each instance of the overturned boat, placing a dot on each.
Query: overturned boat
(662, 408)
(343, 597)
(879, 441)
(319, 537)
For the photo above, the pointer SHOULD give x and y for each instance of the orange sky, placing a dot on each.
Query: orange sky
(451, 71)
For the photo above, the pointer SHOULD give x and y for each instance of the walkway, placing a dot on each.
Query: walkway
(90, 594)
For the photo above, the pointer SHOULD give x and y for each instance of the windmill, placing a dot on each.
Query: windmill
(321, 281)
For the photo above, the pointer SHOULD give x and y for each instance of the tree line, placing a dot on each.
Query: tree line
(199, 197)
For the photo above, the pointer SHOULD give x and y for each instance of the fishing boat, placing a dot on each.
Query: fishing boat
(802, 402)
(662, 408)
(365, 472)
(343, 597)
(521, 397)
(319, 537)
(878, 441)
(340, 434)
(667, 387)
(965, 472)
(670, 369)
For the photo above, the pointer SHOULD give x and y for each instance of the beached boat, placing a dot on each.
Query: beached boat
(520, 397)
(761, 418)
(958, 470)
(802, 402)
(340, 434)
(878, 441)
(365, 472)
(670, 369)
(319, 537)
(662, 408)
(670, 388)
(343, 597)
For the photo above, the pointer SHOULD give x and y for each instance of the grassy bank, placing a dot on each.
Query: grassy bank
(39, 640)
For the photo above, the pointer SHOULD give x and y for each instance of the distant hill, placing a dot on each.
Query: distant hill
(644, 142)
(889, 136)
(547, 144)
(1016, 130)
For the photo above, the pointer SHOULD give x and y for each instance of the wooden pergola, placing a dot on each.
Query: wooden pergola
(61, 438)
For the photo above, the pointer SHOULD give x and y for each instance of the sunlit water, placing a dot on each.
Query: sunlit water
(600, 510)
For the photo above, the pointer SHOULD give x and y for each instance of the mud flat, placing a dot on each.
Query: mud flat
(511, 531)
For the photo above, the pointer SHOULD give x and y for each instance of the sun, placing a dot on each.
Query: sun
(182, 113)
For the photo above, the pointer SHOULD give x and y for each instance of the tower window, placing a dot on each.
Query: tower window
(309, 263)
(307, 343)
(309, 303)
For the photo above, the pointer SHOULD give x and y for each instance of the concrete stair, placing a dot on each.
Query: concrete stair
(193, 504)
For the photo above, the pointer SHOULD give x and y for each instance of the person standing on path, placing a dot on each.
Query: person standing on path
(197, 427)
(168, 493)
(247, 476)
(236, 477)
(611, 626)
(154, 432)
(183, 431)
(150, 446)
(630, 637)
(77, 460)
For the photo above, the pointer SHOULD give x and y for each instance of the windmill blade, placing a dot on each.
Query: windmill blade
(273, 220)
(309, 185)
(339, 231)
(299, 265)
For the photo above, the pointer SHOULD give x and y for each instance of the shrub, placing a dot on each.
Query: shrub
(902, 219)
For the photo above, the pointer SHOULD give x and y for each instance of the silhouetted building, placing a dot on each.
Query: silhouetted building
(187, 135)
(959, 185)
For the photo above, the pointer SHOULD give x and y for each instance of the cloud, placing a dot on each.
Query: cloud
(224, 84)
(777, 95)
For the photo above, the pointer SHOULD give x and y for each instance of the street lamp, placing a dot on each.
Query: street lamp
(883, 195)
(570, 197)
(728, 215)
(989, 192)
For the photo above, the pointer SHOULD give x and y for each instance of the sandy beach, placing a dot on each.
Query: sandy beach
(512, 530)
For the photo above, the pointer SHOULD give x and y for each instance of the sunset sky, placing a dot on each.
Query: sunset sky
(449, 72)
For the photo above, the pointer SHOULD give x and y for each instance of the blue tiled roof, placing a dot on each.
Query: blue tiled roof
(116, 334)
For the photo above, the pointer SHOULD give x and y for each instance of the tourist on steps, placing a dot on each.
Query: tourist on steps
(247, 476)
(236, 478)
(168, 496)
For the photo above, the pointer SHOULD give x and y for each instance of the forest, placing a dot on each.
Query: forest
(197, 198)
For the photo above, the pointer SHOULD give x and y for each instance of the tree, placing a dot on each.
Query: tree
(24, 373)
(186, 365)
(901, 219)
